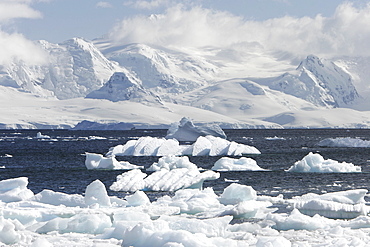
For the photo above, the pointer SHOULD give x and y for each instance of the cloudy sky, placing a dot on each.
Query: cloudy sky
(316, 26)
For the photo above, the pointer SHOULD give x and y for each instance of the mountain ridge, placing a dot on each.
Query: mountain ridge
(164, 78)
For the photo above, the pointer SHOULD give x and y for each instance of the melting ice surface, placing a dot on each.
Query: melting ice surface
(191, 217)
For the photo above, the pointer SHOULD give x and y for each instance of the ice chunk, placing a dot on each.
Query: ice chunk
(98, 161)
(15, 189)
(97, 194)
(186, 131)
(129, 181)
(242, 164)
(343, 204)
(137, 199)
(316, 163)
(79, 223)
(170, 162)
(162, 180)
(298, 221)
(8, 235)
(235, 193)
(278, 241)
(171, 173)
(344, 142)
(58, 198)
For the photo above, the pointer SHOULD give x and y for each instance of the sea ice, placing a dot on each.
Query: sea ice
(191, 217)
(208, 145)
(316, 163)
(98, 161)
(242, 164)
(344, 142)
(185, 130)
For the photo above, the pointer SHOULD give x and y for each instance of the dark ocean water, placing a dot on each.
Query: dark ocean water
(58, 164)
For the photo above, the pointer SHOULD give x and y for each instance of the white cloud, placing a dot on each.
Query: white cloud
(104, 5)
(144, 4)
(347, 32)
(11, 9)
(15, 47)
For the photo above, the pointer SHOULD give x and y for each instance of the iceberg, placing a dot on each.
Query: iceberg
(98, 161)
(344, 142)
(41, 136)
(203, 146)
(106, 125)
(316, 163)
(242, 164)
(185, 130)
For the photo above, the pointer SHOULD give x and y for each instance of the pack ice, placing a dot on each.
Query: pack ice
(190, 217)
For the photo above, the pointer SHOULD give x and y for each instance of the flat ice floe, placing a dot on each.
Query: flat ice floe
(316, 163)
(344, 142)
(241, 164)
(191, 217)
(204, 145)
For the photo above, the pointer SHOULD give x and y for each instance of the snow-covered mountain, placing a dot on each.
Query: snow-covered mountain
(156, 86)
(318, 81)
(75, 68)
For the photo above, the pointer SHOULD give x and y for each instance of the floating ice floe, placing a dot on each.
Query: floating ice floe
(241, 164)
(316, 163)
(191, 217)
(204, 145)
(98, 161)
(344, 142)
(185, 130)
